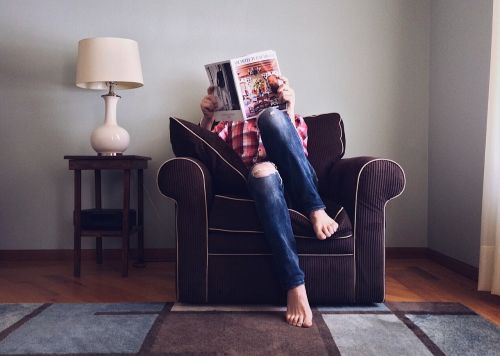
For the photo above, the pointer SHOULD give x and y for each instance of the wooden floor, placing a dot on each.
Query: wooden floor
(35, 281)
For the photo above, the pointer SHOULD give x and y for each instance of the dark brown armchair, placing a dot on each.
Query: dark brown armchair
(222, 255)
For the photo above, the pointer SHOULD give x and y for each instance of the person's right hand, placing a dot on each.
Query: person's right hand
(209, 104)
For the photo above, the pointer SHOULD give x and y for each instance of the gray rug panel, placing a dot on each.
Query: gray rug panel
(74, 328)
(460, 334)
(429, 308)
(376, 307)
(12, 313)
(373, 334)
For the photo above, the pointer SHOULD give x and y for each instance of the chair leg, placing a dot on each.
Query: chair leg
(125, 246)
(98, 249)
(77, 252)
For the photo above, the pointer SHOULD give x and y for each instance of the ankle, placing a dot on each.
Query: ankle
(297, 290)
(316, 213)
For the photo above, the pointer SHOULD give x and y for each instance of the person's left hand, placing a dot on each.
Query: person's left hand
(287, 95)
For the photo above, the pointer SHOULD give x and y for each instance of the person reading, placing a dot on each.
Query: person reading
(274, 148)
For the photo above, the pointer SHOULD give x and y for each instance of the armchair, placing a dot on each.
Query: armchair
(222, 255)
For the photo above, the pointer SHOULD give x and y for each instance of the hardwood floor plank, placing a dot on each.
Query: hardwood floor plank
(407, 279)
(447, 287)
(41, 281)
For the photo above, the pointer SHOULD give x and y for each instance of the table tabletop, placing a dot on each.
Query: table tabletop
(108, 158)
(107, 162)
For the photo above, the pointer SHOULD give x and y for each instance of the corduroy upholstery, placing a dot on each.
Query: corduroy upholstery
(222, 255)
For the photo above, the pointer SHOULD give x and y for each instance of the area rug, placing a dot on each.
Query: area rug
(179, 329)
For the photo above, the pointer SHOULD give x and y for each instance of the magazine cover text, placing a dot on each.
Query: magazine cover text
(257, 76)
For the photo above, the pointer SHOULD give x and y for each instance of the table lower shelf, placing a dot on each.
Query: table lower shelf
(110, 233)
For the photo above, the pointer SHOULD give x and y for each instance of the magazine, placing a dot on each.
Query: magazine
(245, 86)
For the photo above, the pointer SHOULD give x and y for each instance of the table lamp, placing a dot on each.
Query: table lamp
(106, 63)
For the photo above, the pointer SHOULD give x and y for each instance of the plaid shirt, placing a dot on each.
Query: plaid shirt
(245, 140)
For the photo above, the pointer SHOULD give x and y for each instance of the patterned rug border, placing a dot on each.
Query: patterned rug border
(330, 344)
(419, 333)
(400, 310)
(155, 328)
(6, 332)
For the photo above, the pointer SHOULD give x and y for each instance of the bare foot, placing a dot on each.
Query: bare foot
(298, 311)
(324, 226)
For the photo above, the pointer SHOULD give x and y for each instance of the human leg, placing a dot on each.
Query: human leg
(266, 187)
(284, 148)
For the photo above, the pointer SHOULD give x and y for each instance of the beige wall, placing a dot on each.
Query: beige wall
(459, 78)
(367, 60)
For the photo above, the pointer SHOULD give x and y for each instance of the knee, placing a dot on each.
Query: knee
(270, 118)
(263, 169)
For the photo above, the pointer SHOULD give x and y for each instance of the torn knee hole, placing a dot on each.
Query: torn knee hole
(259, 173)
(263, 170)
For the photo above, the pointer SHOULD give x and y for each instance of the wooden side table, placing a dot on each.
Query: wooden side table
(125, 163)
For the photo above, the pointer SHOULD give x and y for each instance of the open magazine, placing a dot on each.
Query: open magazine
(245, 86)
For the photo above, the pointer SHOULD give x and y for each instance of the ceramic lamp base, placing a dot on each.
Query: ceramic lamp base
(110, 139)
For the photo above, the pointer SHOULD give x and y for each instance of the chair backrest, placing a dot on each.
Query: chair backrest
(326, 142)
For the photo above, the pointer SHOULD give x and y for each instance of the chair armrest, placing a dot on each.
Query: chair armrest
(189, 183)
(363, 186)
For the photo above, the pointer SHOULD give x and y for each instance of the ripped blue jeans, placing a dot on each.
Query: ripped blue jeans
(283, 149)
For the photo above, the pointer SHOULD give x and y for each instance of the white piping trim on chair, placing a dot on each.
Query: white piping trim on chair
(176, 225)
(341, 142)
(233, 198)
(338, 212)
(270, 254)
(394, 197)
(252, 231)
(356, 213)
(261, 232)
(252, 201)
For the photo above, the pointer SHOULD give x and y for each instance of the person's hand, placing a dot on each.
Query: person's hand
(208, 105)
(287, 94)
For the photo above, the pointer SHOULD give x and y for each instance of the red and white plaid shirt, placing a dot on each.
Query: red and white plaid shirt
(244, 138)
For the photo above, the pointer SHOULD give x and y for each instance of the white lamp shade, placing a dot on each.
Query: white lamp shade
(108, 59)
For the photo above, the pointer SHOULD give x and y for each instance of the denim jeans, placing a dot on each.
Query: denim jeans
(284, 149)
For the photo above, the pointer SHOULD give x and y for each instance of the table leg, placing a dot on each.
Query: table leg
(125, 222)
(140, 219)
(77, 224)
(98, 202)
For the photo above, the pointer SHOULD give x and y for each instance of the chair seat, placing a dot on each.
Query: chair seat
(234, 228)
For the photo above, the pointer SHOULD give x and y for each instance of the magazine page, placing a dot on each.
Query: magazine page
(256, 76)
(221, 78)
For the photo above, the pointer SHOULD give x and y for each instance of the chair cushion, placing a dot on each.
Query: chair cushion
(325, 144)
(234, 227)
(191, 140)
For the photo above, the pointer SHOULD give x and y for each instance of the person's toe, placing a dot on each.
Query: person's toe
(301, 320)
(319, 234)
